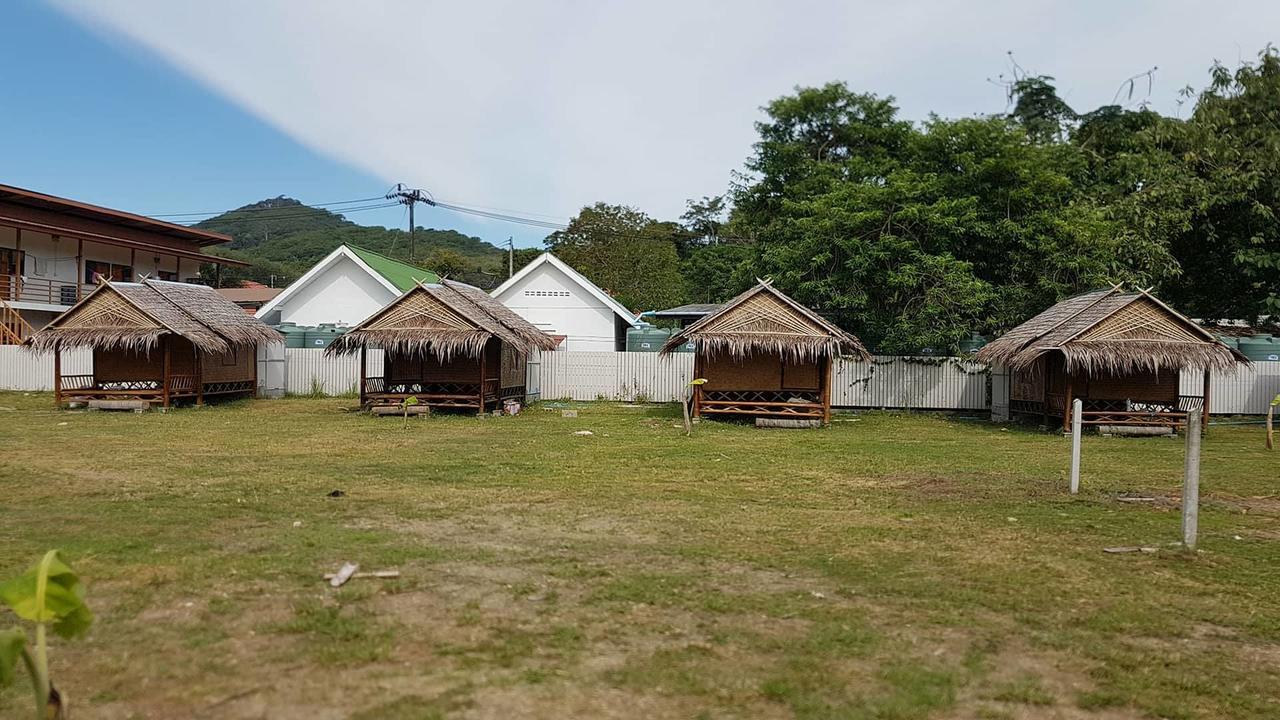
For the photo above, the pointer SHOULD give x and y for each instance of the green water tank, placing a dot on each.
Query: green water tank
(646, 338)
(1230, 341)
(971, 344)
(294, 336)
(1260, 347)
(323, 336)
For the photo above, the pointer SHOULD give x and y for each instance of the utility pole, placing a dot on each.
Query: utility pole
(511, 257)
(410, 197)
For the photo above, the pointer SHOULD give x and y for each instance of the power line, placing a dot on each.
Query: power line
(267, 209)
(292, 215)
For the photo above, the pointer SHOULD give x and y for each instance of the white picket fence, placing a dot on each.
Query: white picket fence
(309, 372)
(614, 376)
(891, 381)
(1237, 392)
(23, 370)
(887, 382)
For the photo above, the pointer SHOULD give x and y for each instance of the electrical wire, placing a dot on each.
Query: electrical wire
(266, 209)
(293, 215)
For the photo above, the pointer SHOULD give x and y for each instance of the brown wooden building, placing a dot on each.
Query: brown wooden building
(157, 342)
(448, 344)
(53, 250)
(1120, 352)
(762, 354)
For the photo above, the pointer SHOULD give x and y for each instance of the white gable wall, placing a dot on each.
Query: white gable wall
(342, 293)
(558, 305)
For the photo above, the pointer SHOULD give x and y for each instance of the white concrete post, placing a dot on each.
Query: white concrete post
(1191, 482)
(1076, 412)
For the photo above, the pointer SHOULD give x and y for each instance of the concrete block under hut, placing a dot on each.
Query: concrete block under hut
(764, 355)
(1121, 353)
(155, 342)
(448, 344)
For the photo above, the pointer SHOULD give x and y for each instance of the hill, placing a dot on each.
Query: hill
(282, 238)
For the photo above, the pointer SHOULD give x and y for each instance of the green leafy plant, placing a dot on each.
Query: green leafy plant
(405, 404)
(51, 596)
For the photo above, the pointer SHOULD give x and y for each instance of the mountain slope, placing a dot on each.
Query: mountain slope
(282, 238)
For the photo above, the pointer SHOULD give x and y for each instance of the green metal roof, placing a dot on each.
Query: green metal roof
(402, 275)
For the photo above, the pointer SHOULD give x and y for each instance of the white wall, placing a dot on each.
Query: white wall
(555, 304)
(342, 293)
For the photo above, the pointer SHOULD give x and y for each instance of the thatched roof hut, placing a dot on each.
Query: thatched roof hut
(764, 320)
(765, 355)
(449, 344)
(446, 319)
(145, 334)
(1120, 352)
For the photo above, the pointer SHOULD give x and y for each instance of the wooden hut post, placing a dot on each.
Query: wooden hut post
(363, 373)
(483, 353)
(1067, 406)
(57, 377)
(824, 377)
(1044, 392)
(1204, 416)
(200, 374)
(164, 387)
(697, 389)
(253, 393)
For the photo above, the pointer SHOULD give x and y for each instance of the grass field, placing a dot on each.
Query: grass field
(890, 566)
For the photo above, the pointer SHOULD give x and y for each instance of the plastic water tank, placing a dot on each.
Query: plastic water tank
(646, 338)
(1260, 347)
(294, 336)
(971, 344)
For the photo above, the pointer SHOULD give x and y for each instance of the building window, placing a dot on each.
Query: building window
(166, 275)
(546, 293)
(229, 359)
(94, 269)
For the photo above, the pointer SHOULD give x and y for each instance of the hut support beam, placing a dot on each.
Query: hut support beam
(1067, 408)
(364, 373)
(1204, 416)
(164, 387)
(824, 377)
(697, 389)
(200, 375)
(57, 377)
(483, 354)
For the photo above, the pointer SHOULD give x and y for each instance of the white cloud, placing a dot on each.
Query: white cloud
(549, 106)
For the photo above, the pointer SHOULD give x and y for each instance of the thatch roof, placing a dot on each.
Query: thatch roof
(134, 316)
(445, 318)
(764, 320)
(1112, 332)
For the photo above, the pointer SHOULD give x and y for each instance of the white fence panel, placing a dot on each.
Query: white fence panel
(615, 376)
(890, 381)
(23, 370)
(308, 370)
(1244, 391)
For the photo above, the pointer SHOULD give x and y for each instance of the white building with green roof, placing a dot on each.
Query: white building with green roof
(343, 289)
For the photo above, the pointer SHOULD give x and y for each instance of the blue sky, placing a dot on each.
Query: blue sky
(533, 108)
(114, 124)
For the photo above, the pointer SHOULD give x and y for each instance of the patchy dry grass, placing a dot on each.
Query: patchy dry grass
(891, 566)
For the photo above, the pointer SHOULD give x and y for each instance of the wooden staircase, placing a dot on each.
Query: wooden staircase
(14, 330)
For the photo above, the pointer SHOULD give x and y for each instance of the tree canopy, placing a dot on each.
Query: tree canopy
(912, 235)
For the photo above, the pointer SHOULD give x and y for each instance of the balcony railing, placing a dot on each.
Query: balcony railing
(14, 288)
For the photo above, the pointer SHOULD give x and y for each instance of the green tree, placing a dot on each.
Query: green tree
(715, 273)
(914, 236)
(625, 252)
(447, 263)
(1214, 183)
